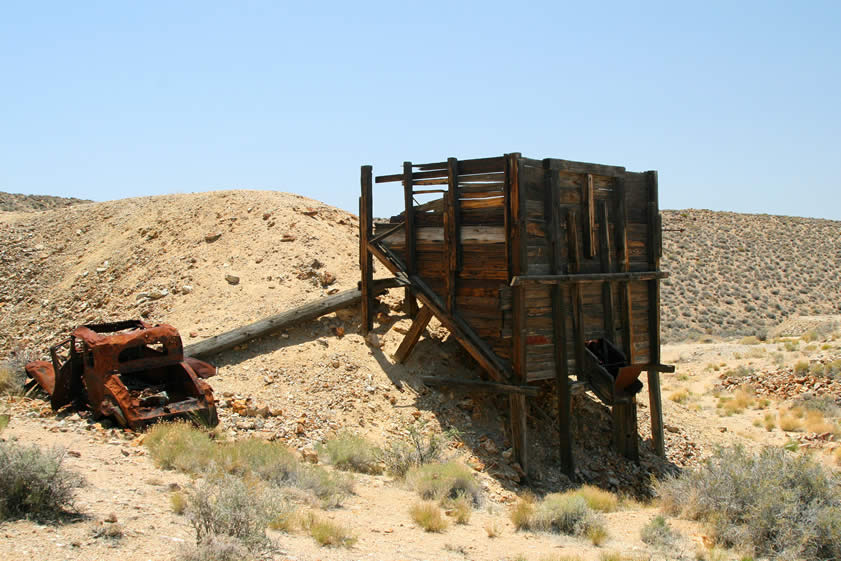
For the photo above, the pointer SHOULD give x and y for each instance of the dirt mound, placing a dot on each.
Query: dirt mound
(14, 202)
(742, 274)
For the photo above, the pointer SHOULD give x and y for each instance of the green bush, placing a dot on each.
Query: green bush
(351, 452)
(449, 480)
(228, 506)
(566, 513)
(34, 483)
(418, 448)
(182, 446)
(776, 503)
(658, 532)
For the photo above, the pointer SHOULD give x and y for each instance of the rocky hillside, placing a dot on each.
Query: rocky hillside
(742, 274)
(13, 202)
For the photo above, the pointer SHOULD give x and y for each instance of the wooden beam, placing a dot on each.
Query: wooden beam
(483, 385)
(588, 278)
(451, 233)
(625, 438)
(413, 336)
(366, 212)
(518, 407)
(585, 167)
(654, 394)
(272, 324)
(552, 211)
(411, 302)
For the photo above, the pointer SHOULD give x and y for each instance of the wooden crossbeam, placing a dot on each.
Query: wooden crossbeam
(413, 335)
(483, 385)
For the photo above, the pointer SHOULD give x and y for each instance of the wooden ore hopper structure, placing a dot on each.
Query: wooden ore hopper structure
(542, 270)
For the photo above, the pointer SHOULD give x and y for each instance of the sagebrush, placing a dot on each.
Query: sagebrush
(776, 503)
(34, 482)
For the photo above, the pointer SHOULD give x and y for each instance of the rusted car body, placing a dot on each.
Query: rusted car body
(131, 371)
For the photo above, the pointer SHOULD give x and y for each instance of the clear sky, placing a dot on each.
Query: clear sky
(737, 104)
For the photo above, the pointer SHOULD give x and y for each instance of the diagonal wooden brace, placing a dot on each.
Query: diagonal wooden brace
(412, 337)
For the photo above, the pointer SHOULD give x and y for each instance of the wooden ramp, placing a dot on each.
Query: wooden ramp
(541, 269)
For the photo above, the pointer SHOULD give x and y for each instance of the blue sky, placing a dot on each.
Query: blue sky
(736, 104)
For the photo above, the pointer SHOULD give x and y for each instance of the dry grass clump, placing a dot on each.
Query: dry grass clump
(749, 340)
(836, 455)
(658, 532)
(327, 532)
(522, 513)
(183, 447)
(492, 528)
(429, 516)
(216, 548)
(351, 452)
(442, 481)
(790, 421)
(12, 378)
(775, 503)
(742, 399)
(178, 502)
(619, 556)
(459, 509)
(34, 483)
(679, 396)
(801, 367)
(597, 499)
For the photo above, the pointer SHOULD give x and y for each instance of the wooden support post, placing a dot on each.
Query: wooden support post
(518, 266)
(366, 262)
(552, 210)
(625, 438)
(412, 337)
(575, 290)
(654, 395)
(408, 191)
(452, 241)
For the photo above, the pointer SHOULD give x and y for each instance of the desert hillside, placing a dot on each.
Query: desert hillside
(15, 202)
(742, 274)
(210, 262)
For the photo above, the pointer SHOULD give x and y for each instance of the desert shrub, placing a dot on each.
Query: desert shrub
(679, 396)
(429, 516)
(444, 481)
(768, 422)
(658, 532)
(492, 528)
(776, 503)
(351, 452)
(749, 340)
(597, 534)
(789, 421)
(180, 446)
(522, 513)
(108, 531)
(597, 499)
(228, 506)
(34, 483)
(567, 514)
(418, 448)
(12, 378)
(815, 422)
(326, 532)
(216, 548)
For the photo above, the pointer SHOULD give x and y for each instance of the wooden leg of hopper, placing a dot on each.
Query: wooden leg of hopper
(625, 427)
(519, 412)
(655, 404)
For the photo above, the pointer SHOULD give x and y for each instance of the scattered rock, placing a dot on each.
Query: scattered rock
(210, 238)
(232, 279)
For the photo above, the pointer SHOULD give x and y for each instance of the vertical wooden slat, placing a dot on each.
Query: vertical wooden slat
(366, 211)
(518, 266)
(552, 211)
(451, 233)
(623, 256)
(411, 266)
(607, 267)
(654, 394)
(590, 219)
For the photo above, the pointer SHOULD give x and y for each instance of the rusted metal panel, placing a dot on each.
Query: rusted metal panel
(131, 371)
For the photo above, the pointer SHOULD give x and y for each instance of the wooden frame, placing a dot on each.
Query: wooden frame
(530, 263)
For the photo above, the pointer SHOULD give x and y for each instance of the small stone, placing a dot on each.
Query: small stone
(309, 455)
(232, 279)
(210, 238)
(186, 289)
(158, 293)
(327, 278)
(490, 446)
(111, 518)
(373, 340)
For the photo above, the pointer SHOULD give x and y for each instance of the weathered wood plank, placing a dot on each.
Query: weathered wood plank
(588, 278)
(409, 239)
(590, 217)
(654, 394)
